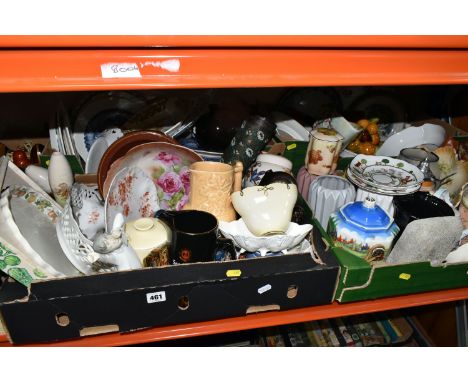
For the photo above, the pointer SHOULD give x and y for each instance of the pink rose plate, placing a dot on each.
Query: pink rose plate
(167, 165)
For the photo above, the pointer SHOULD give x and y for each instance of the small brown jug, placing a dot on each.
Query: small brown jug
(211, 185)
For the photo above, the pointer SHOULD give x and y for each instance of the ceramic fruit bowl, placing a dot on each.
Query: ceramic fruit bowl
(120, 147)
(26, 219)
(266, 210)
(166, 164)
(133, 194)
(238, 232)
(19, 266)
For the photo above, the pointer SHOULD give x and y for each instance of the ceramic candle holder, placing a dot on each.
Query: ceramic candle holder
(323, 151)
(327, 194)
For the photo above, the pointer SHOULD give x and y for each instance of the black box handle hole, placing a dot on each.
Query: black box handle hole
(292, 291)
(183, 303)
(62, 319)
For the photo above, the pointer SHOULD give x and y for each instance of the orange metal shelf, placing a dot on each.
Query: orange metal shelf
(63, 70)
(324, 41)
(264, 319)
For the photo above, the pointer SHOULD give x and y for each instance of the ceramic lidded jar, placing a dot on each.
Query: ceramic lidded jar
(149, 237)
(323, 151)
(363, 229)
(264, 163)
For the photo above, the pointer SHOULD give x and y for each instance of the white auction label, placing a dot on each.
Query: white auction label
(120, 70)
(264, 289)
(155, 297)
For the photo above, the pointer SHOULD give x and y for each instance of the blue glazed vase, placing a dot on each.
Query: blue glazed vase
(363, 229)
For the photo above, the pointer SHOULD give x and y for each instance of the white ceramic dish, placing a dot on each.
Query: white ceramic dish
(243, 238)
(25, 220)
(266, 210)
(289, 129)
(19, 266)
(412, 136)
(385, 172)
(132, 193)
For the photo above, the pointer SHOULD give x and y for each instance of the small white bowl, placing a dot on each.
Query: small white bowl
(412, 136)
(238, 232)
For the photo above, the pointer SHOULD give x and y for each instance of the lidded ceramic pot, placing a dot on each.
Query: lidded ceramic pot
(323, 151)
(149, 237)
(363, 229)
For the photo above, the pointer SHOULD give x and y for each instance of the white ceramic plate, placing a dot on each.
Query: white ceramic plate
(95, 154)
(385, 172)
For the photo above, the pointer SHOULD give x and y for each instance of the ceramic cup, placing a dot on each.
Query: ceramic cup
(327, 194)
(264, 163)
(323, 151)
(384, 201)
(194, 236)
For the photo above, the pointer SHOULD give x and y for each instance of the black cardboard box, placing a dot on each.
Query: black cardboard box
(69, 308)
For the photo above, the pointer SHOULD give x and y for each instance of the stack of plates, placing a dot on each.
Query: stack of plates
(384, 175)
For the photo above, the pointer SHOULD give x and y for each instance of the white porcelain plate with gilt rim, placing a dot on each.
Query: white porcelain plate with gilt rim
(386, 172)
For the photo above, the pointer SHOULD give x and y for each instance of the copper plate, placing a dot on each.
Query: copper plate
(120, 147)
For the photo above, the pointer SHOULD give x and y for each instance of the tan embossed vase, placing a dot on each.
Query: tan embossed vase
(211, 185)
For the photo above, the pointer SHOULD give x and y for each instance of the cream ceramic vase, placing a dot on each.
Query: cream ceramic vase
(323, 151)
(211, 185)
(60, 177)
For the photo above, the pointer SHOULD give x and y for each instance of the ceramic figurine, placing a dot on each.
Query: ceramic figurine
(211, 185)
(266, 210)
(112, 248)
(60, 177)
(323, 151)
(251, 138)
(264, 163)
(363, 229)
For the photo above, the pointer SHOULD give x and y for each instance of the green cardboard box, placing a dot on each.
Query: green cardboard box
(359, 280)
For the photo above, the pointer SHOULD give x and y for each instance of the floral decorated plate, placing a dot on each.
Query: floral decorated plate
(166, 164)
(368, 187)
(132, 193)
(18, 266)
(26, 218)
(238, 232)
(385, 172)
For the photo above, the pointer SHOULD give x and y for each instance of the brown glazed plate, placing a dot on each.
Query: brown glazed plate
(120, 147)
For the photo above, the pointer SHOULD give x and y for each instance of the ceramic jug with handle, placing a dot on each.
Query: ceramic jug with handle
(211, 185)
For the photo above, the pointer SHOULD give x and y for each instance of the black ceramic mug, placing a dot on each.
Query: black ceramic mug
(194, 236)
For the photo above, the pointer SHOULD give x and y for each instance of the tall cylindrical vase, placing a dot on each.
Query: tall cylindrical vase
(60, 177)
